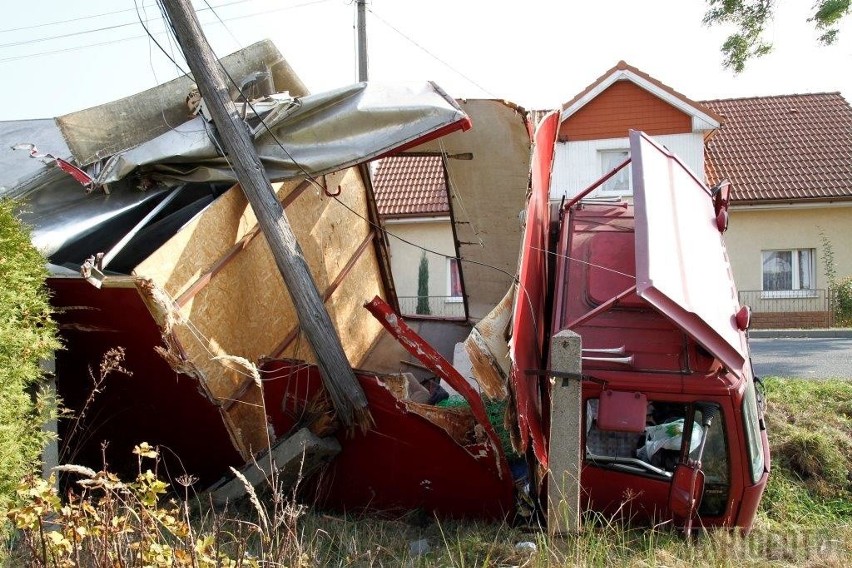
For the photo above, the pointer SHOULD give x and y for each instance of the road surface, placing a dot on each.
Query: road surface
(803, 357)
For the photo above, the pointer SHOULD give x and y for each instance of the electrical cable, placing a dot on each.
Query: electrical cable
(433, 56)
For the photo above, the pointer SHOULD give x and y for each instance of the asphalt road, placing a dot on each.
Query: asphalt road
(803, 357)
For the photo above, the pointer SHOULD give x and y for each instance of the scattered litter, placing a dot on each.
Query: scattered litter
(526, 546)
(417, 548)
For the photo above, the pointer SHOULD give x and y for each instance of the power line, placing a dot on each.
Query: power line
(433, 56)
(93, 16)
(140, 36)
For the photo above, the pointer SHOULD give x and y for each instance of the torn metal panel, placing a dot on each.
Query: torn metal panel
(488, 348)
(66, 221)
(96, 133)
(302, 136)
(406, 461)
(529, 321)
(424, 352)
(154, 404)
(19, 174)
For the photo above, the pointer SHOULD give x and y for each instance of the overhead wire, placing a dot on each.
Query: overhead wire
(432, 55)
(141, 36)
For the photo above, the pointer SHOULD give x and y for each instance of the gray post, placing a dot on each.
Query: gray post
(50, 454)
(563, 492)
(362, 40)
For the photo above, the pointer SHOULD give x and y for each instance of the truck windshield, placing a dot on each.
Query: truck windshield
(752, 429)
(714, 460)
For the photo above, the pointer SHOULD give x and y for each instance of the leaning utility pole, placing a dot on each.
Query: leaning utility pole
(346, 394)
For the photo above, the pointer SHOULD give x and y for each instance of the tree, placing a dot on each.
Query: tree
(423, 286)
(27, 335)
(750, 18)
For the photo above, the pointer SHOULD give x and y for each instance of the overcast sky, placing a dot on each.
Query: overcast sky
(536, 53)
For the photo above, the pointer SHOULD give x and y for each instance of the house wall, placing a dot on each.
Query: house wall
(753, 229)
(578, 164)
(435, 234)
(620, 107)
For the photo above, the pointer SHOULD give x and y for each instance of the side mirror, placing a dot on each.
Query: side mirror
(686, 492)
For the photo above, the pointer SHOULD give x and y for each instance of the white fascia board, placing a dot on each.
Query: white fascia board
(414, 220)
(700, 121)
(788, 205)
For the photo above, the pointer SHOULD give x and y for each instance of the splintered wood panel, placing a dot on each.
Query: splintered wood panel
(358, 330)
(243, 308)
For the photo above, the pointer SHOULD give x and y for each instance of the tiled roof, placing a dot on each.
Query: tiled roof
(782, 148)
(411, 186)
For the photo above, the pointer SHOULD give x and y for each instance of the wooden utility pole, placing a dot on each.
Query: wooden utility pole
(346, 394)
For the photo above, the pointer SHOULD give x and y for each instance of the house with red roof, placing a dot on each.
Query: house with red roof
(413, 201)
(788, 158)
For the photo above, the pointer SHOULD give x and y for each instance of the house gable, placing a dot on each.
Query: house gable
(658, 109)
(620, 107)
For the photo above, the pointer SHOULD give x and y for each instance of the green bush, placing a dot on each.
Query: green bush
(842, 300)
(27, 335)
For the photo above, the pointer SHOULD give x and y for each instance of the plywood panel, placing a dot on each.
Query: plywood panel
(244, 309)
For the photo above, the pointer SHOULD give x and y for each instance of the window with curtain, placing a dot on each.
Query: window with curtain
(789, 272)
(620, 183)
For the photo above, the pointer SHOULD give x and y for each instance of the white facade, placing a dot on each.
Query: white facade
(577, 165)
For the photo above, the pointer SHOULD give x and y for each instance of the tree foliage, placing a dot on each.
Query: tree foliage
(423, 286)
(750, 17)
(27, 335)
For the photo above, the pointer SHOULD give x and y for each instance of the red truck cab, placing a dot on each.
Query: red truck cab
(669, 399)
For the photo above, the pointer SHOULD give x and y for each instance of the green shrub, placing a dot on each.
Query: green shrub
(842, 300)
(27, 335)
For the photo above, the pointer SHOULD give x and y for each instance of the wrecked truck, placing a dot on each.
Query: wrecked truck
(216, 372)
(671, 421)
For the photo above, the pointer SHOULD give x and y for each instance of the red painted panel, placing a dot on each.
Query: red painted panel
(403, 462)
(154, 405)
(682, 267)
(529, 325)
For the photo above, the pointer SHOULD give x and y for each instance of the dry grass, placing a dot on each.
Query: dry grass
(804, 519)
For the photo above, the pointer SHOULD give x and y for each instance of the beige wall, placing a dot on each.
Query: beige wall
(433, 234)
(753, 229)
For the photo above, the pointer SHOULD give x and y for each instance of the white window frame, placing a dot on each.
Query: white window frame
(450, 298)
(796, 290)
(606, 165)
